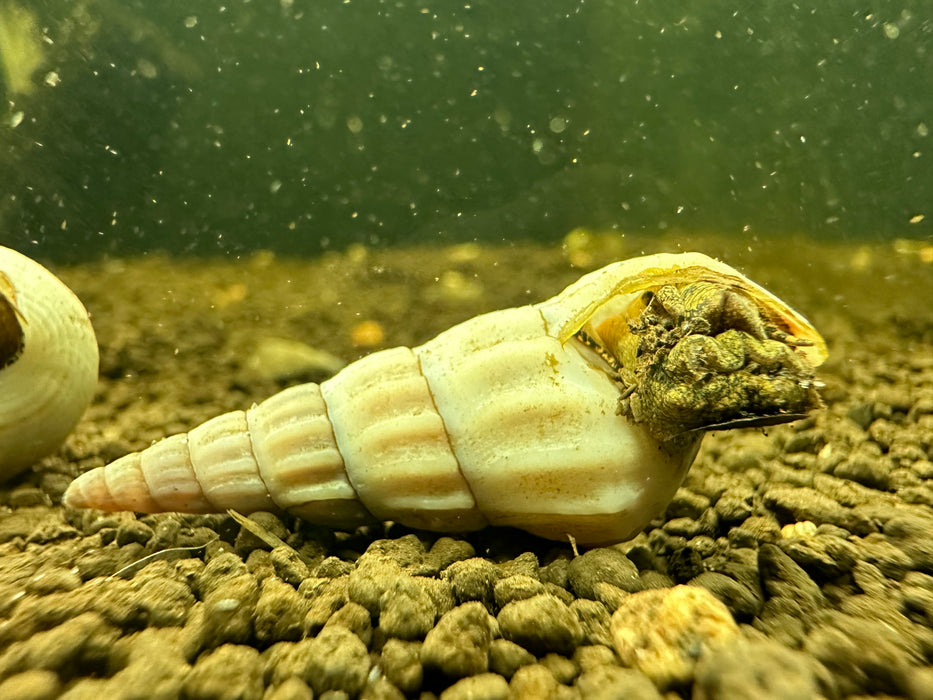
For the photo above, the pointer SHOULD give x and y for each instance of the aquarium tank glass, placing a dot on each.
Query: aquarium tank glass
(298, 126)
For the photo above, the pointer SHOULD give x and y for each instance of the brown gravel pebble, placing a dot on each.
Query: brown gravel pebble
(541, 624)
(563, 670)
(259, 564)
(246, 541)
(31, 685)
(784, 580)
(149, 663)
(408, 611)
(280, 612)
(533, 681)
(610, 682)
(83, 641)
(445, 552)
(525, 564)
(292, 688)
(333, 567)
(288, 565)
(133, 531)
(661, 633)
(760, 669)
(506, 657)
(488, 686)
(473, 579)
(355, 618)
(230, 672)
(594, 655)
(381, 689)
(401, 664)
(229, 605)
(594, 621)
(891, 644)
(373, 576)
(801, 503)
(459, 645)
(407, 551)
(602, 565)
(52, 580)
(742, 602)
(336, 660)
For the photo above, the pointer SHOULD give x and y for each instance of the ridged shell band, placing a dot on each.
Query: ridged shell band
(395, 445)
(299, 462)
(169, 475)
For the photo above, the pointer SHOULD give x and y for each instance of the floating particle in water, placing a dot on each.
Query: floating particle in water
(367, 334)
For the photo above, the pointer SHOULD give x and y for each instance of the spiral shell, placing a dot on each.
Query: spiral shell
(48, 362)
(559, 418)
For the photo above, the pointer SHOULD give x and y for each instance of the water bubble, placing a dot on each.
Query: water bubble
(557, 124)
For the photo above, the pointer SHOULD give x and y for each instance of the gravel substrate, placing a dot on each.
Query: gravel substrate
(794, 562)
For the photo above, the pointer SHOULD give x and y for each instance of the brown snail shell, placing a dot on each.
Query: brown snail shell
(566, 417)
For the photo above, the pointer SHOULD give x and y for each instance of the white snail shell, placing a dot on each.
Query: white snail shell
(48, 362)
(511, 418)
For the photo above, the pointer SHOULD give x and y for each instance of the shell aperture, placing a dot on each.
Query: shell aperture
(702, 356)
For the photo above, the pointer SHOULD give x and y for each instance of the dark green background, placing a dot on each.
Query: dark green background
(751, 118)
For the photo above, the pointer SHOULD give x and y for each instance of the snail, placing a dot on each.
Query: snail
(576, 416)
(48, 362)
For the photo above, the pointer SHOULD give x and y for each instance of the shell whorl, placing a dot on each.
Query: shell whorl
(47, 384)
